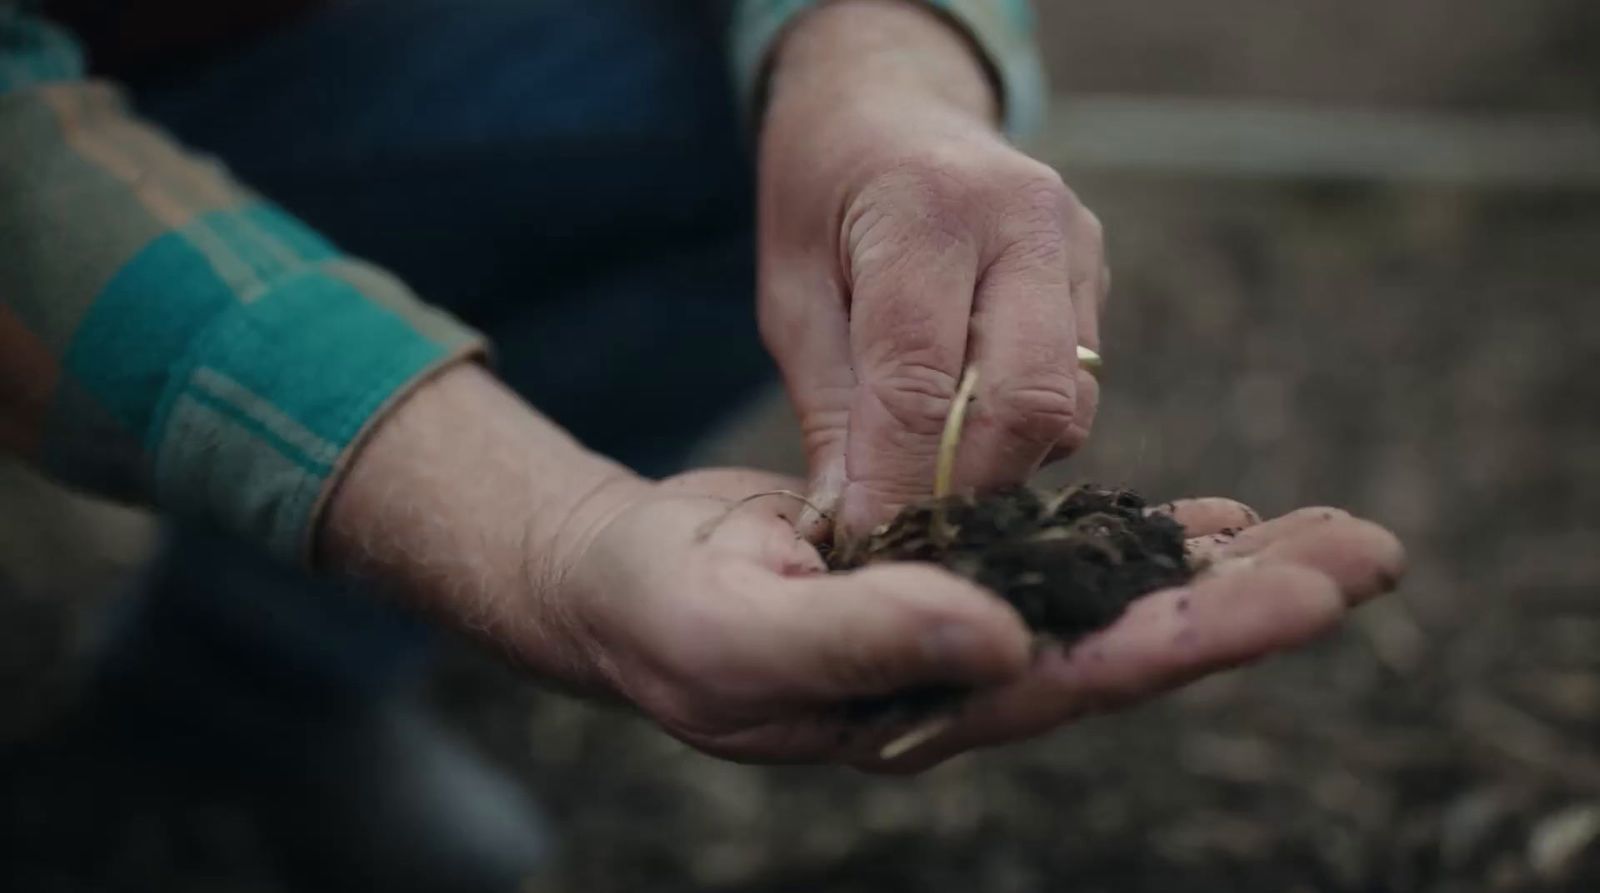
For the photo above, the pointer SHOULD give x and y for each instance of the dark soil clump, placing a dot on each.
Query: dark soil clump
(1069, 562)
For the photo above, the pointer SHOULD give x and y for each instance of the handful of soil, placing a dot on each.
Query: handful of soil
(1069, 562)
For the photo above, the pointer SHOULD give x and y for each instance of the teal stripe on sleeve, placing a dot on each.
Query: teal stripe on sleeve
(305, 347)
(34, 52)
(268, 220)
(159, 301)
(273, 393)
(248, 356)
(262, 420)
(147, 315)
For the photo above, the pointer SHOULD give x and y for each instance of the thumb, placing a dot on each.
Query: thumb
(893, 627)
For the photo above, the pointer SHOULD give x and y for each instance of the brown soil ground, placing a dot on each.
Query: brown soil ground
(1427, 357)
(1424, 358)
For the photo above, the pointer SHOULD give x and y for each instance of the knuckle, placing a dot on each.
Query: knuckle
(1091, 230)
(1040, 198)
(904, 338)
(1039, 189)
(915, 394)
(1086, 407)
(927, 190)
(1041, 412)
(1039, 213)
(930, 181)
(1044, 184)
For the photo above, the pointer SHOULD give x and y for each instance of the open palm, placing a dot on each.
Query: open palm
(724, 628)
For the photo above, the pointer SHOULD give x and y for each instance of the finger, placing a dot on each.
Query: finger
(1088, 409)
(1183, 633)
(1164, 640)
(913, 278)
(1208, 515)
(1091, 277)
(1364, 559)
(1085, 253)
(886, 629)
(1091, 286)
(1024, 344)
(1219, 546)
(805, 325)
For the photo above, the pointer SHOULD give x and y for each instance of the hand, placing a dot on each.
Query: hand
(902, 239)
(717, 620)
(1268, 587)
(720, 626)
(483, 513)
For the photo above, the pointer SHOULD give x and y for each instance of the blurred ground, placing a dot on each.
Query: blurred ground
(1514, 55)
(1406, 354)
(1427, 356)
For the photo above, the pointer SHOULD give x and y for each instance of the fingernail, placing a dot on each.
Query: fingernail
(950, 643)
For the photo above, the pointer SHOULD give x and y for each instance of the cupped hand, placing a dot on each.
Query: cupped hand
(722, 626)
(902, 239)
(1265, 587)
(715, 618)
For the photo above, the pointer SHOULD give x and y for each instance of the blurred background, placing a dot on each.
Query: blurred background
(1357, 259)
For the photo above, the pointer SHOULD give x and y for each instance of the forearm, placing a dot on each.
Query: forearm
(167, 336)
(464, 502)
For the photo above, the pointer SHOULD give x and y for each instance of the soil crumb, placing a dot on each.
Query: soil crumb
(1069, 562)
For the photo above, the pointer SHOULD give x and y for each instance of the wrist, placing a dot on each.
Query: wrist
(471, 506)
(851, 52)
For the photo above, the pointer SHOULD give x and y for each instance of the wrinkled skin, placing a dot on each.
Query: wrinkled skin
(723, 628)
(902, 239)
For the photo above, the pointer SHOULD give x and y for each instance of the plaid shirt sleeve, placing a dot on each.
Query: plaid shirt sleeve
(1002, 29)
(165, 335)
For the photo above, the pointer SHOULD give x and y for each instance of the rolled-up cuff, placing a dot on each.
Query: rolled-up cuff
(34, 52)
(261, 414)
(1002, 29)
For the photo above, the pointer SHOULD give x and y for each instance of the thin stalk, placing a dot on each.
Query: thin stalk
(711, 526)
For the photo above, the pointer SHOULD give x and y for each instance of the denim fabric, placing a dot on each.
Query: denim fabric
(594, 219)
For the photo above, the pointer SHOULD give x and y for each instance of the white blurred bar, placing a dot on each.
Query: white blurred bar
(1272, 140)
